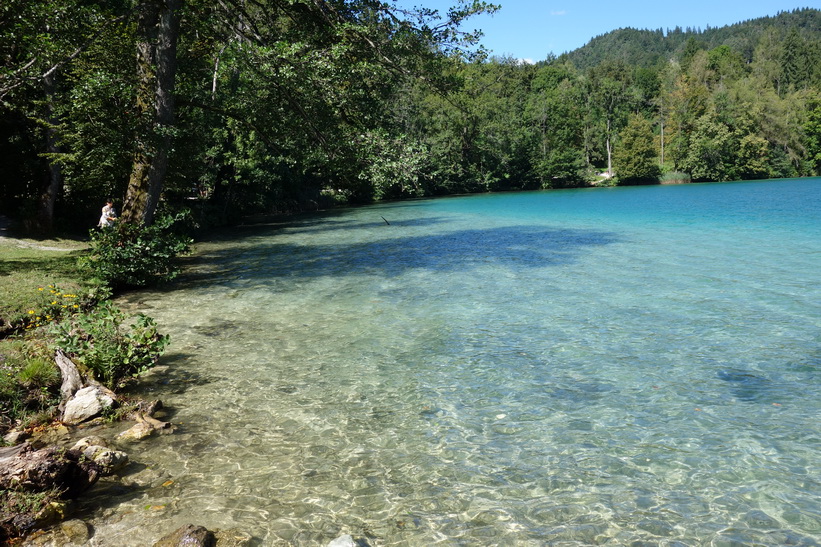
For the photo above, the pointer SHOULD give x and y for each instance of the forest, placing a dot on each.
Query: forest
(240, 107)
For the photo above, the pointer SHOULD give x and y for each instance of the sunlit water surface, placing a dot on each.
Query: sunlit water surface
(606, 366)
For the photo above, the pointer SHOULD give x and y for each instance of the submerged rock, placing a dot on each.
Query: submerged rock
(343, 541)
(76, 531)
(188, 536)
(232, 538)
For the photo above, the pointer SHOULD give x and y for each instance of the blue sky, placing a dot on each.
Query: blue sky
(530, 29)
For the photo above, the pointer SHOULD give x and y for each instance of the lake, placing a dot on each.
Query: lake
(599, 366)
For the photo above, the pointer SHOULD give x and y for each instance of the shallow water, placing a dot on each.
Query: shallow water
(607, 366)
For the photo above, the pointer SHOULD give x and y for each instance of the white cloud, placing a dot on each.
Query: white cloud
(558, 13)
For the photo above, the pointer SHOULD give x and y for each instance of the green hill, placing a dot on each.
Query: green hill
(648, 48)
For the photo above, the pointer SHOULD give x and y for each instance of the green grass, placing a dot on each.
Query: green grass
(26, 270)
(33, 281)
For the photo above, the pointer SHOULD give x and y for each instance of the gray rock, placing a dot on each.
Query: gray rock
(343, 541)
(88, 403)
(108, 460)
(91, 440)
(76, 531)
(16, 437)
(188, 536)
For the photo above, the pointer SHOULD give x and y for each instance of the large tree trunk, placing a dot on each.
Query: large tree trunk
(45, 215)
(158, 28)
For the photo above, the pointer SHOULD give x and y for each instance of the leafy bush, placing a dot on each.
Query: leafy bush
(102, 342)
(133, 255)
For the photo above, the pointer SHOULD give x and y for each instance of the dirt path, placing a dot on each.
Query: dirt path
(7, 239)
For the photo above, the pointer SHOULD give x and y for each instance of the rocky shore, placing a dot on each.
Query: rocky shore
(67, 471)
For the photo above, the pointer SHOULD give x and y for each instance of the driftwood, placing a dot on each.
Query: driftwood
(50, 468)
(72, 380)
(145, 414)
(9, 452)
(146, 424)
(153, 422)
(33, 481)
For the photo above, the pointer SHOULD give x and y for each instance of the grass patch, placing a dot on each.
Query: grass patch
(29, 275)
(26, 270)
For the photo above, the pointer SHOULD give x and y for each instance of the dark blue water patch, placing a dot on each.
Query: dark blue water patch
(749, 387)
(321, 224)
(518, 246)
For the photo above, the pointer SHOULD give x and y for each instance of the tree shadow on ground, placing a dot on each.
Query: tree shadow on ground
(64, 264)
(314, 224)
(520, 247)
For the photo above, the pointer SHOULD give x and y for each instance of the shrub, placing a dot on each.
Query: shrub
(133, 255)
(102, 342)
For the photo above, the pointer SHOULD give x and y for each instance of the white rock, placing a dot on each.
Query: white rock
(87, 403)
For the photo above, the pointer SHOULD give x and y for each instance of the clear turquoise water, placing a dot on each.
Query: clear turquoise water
(607, 366)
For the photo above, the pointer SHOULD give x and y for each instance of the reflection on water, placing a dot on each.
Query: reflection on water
(637, 366)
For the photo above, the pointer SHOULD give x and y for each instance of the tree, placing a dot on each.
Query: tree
(39, 39)
(812, 130)
(709, 154)
(555, 109)
(158, 27)
(316, 65)
(635, 157)
(611, 102)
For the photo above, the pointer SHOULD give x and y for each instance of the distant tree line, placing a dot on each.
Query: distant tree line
(257, 106)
